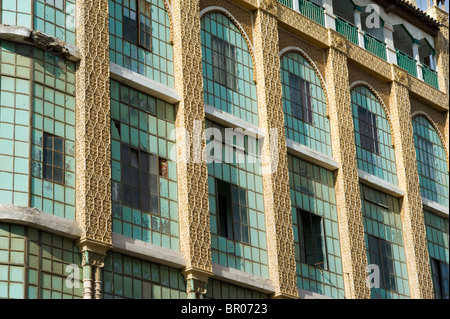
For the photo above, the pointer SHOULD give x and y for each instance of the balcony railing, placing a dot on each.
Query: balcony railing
(406, 62)
(375, 46)
(312, 10)
(347, 29)
(287, 3)
(430, 76)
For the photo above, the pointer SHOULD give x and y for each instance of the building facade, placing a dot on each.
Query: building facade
(234, 149)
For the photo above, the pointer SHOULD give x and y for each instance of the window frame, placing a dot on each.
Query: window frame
(63, 9)
(302, 239)
(371, 134)
(224, 70)
(301, 111)
(146, 5)
(436, 274)
(52, 165)
(382, 265)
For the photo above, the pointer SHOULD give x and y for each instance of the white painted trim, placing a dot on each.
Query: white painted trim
(34, 218)
(434, 207)
(140, 249)
(144, 84)
(380, 184)
(243, 279)
(311, 155)
(229, 120)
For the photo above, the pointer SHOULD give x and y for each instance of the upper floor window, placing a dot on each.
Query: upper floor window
(137, 24)
(312, 239)
(224, 63)
(59, 4)
(374, 148)
(53, 158)
(431, 162)
(439, 270)
(304, 104)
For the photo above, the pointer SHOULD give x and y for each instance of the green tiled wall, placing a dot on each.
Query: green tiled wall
(312, 190)
(381, 165)
(33, 264)
(145, 123)
(382, 220)
(315, 135)
(242, 101)
(252, 257)
(125, 277)
(55, 20)
(156, 64)
(217, 289)
(431, 162)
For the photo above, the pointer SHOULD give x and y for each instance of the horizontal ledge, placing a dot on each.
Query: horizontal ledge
(40, 40)
(380, 184)
(140, 249)
(143, 84)
(311, 155)
(243, 279)
(434, 207)
(305, 294)
(36, 219)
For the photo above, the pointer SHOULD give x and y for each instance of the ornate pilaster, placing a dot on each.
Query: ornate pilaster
(413, 222)
(277, 203)
(93, 154)
(193, 204)
(196, 282)
(351, 227)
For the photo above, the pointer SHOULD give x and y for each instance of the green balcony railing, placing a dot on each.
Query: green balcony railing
(347, 29)
(312, 11)
(430, 76)
(375, 46)
(287, 3)
(406, 62)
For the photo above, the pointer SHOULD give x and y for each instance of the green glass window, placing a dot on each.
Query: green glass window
(125, 277)
(437, 230)
(236, 203)
(53, 158)
(316, 232)
(16, 12)
(143, 160)
(384, 243)
(227, 68)
(374, 148)
(217, 289)
(139, 33)
(431, 162)
(304, 104)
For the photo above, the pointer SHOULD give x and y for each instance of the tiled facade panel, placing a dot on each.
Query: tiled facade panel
(125, 277)
(144, 188)
(35, 264)
(304, 104)
(384, 243)
(312, 191)
(126, 21)
(374, 147)
(248, 250)
(227, 68)
(431, 162)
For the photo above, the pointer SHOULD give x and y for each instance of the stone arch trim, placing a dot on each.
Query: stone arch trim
(169, 12)
(293, 49)
(377, 95)
(436, 128)
(230, 16)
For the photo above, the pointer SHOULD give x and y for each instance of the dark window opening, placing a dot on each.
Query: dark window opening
(381, 254)
(224, 63)
(53, 158)
(139, 174)
(368, 130)
(130, 26)
(440, 274)
(300, 98)
(312, 239)
(145, 24)
(232, 210)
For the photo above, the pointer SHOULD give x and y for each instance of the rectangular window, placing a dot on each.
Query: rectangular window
(130, 26)
(224, 63)
(440, 274)
(145, 24)
(300, 98)
(139, 174)
(312, 239)
(368, 130)
(232, 212)
(53, 158)
(381, 254)
(426, 156)
(59, 4)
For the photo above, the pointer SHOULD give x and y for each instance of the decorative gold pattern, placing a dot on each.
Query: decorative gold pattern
(277, 203)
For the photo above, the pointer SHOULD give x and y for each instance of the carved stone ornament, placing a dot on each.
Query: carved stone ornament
(196, 286)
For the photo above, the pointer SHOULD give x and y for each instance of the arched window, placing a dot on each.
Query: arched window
(227, 68)
(374, 148)
(304, 104)
(431, 162)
